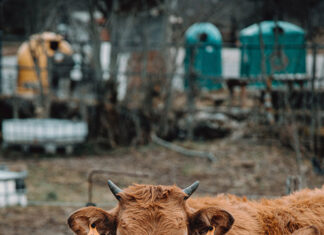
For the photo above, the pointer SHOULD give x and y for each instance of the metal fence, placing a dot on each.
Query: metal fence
(169, 61)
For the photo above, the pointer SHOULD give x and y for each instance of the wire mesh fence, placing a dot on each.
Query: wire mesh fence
(151, 90)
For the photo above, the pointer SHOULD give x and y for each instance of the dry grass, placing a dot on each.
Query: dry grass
(244, 167)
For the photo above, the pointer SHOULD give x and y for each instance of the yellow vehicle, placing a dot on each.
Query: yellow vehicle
(35, 79)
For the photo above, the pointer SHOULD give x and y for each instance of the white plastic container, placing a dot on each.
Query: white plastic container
(43, 131)
(12, 188)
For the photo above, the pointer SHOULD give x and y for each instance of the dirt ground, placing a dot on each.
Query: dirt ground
(244, 166)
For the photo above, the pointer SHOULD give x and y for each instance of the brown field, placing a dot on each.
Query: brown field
(57, 185)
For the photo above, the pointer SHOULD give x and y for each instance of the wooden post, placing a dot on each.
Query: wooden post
(83, 106)
(293, 184)
(164, 128)
(314, 123)
(114, 42)
(15, 107)
(146, 82)
(40, 101)
(47, 96)
(267, 79)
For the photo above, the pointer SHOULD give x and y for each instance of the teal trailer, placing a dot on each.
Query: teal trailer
(284, 49)
(203, 56)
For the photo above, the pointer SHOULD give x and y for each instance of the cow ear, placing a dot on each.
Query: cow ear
(92, 219)
(310, 230)
(211, 218)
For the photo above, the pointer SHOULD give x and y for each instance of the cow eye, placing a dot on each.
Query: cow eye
(205, 230)
(93, 225)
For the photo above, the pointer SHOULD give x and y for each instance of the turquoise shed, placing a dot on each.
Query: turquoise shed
(284, 48)
(203, 53)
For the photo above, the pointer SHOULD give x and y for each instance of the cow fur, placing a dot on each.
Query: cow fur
(148, 209)
(310, 230)
(278, 216)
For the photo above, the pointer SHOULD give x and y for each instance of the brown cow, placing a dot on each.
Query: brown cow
(149, 209)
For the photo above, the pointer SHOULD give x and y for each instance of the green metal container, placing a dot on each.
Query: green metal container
(284, 48)
(203, 53)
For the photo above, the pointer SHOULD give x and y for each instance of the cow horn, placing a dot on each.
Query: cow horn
(191, 189)
(114, 189)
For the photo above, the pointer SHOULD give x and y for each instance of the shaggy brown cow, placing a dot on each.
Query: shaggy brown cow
(148, 210)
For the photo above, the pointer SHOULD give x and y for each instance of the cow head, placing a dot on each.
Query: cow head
(148, 210)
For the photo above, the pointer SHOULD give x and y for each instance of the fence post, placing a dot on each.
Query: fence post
(293, 184)
(313, 134)
(114, 42)
(265, 78)
(170, 69)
